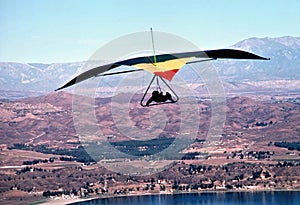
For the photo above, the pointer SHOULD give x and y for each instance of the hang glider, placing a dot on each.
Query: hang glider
(164, 66)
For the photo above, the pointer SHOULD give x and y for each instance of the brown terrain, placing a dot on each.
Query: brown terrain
(38, 138)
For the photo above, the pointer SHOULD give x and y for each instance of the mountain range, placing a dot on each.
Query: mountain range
(284, 64)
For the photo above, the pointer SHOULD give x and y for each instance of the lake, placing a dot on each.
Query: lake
(217, 198)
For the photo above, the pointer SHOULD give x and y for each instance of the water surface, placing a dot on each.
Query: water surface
(219, 198)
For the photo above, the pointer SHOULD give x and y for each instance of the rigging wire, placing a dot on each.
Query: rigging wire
(154, 56)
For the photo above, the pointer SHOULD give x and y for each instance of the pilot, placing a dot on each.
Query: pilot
(159, 97)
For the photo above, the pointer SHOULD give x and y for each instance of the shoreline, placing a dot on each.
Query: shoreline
(74, 201)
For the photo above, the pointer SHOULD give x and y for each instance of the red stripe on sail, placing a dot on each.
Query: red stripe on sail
(167, 74)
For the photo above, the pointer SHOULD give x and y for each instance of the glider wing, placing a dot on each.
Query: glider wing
(166, 65)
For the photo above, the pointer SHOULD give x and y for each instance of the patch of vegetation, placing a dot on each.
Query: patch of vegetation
(143, 148)
(36, 161)
(289, 145)
(79, 154)
(133, 149)
(194, 155)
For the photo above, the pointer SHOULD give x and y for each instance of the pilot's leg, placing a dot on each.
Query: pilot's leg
(149, 101)
(169, 97)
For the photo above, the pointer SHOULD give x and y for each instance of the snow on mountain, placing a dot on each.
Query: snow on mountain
(36, 76)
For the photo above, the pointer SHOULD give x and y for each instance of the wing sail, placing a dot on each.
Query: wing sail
(166, 69)
(88, 74)
(166, 65)
(233, 54)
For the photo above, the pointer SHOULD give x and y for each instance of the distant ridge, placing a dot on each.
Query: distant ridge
(284, 64)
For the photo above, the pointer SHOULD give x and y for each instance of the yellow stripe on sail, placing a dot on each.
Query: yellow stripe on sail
(163, 66)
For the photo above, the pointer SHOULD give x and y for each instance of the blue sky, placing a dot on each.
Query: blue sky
(72, 30)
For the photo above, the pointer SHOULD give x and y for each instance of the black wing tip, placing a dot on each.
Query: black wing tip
(233, 54)
(60, 88)
(263, 58)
